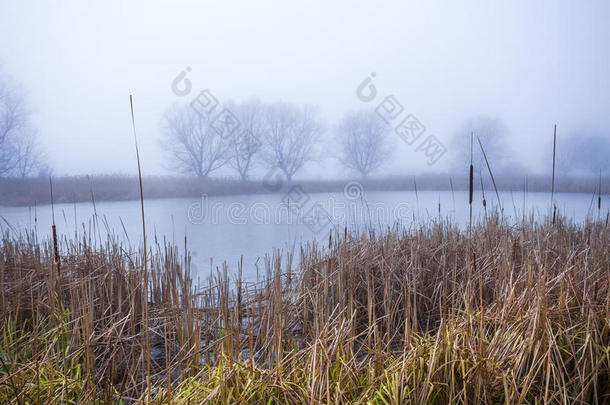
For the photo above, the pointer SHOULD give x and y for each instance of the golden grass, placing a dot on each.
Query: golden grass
(513, 314)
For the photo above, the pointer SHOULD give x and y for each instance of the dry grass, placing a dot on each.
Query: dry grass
(510, 314)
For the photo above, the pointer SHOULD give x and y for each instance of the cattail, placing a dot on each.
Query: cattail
(56, 249)
(553, 175)
(599, 194)
(54, 229)
(470, 185)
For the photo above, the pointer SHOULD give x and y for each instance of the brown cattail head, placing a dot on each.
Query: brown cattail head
(470, 184)
(553, 175)
(599, 193)
(56, 249)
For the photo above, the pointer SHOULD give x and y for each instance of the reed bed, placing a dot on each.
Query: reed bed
(500, 313)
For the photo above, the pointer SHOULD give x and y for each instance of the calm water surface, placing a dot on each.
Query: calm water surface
(250, 226)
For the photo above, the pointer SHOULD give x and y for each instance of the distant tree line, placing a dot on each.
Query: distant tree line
(274, 136)
(286, 137)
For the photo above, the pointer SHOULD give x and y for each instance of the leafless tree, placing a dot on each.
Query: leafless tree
(290, 137)
(20, 155)
(194, 145)
(246, 141)
(584, 151)
(363, 142)
(493, 135)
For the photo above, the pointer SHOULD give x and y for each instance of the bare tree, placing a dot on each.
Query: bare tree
(584, 152)
(246, 141)
(20, 154)
(290, 137)
(29, 159)
(194, 145)
(363, 142)
(492, 132)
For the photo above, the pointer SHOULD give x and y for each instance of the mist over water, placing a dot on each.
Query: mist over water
(526, 65)
(220, 229)
(246, 103)
(304, 202)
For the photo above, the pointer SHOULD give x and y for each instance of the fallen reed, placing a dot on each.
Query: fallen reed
(510, 314)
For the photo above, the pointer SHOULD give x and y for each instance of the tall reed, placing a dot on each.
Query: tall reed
(388, 318)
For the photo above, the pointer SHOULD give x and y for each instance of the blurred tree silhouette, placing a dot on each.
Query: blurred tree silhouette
(492, 132)
(20, 153)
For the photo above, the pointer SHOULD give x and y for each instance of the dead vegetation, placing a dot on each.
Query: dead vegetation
(515, 313)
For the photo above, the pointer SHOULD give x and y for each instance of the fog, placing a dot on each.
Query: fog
(532, 65)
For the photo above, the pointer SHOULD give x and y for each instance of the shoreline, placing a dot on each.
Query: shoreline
(74, 189)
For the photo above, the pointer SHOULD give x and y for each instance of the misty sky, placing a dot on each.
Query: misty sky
(530, 63)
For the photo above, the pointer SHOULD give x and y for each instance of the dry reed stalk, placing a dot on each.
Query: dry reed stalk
(365, 320)
(144, 295)
(493, 180)
(54, 230)
(553, 174)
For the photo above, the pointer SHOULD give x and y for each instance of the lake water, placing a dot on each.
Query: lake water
(229, 227)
